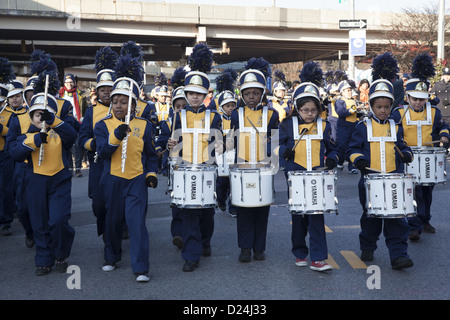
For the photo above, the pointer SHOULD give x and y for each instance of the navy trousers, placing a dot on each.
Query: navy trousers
(126, 201)
(49, 205)
(424, 198)
(198, 229)
(252, 227)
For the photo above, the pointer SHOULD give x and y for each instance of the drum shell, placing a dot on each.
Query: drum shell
(390, 195)
(428, 166)
(252, 185)
(312, 192)
(171, 163)
(194, 186)
(224, 161)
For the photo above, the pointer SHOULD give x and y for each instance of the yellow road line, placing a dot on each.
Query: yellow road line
(331, 262)
(353, 260)
(328, 230)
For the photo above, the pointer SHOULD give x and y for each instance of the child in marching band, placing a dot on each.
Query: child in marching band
(422, 125)
(253, 148)
(198, 224)
(306, 118)
(105, 60)
(128, 171)
(369, 139)
(48, 179)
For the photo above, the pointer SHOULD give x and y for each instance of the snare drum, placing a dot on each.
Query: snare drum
(224, 161)
(194, 186)
(312, 192)
(428, 165)
(252, 185)
(390, 195)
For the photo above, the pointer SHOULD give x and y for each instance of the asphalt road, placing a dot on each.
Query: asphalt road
(221, 276)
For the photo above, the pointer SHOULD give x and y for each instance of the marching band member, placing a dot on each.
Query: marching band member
(422, 124)
(48, 183)
(125, 144)
(105, 61)
(346, 109)
(6, 162)
(251, 148)
(178, 102)
(227, 103)
(279, 102)
(306, 115)
(198, 224)
(19, 123)
(366, 152)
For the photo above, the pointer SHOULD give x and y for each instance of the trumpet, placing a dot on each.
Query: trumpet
(41, 149)
(127, 121)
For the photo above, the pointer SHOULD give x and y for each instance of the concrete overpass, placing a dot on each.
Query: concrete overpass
(73, 30)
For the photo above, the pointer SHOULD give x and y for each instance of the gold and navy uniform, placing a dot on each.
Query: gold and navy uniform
(86, 137)
(321, 146)
(187, 121)
(163, 111)
(252, 222)
(204, 125)
(265, 120)
(19, 124)
(395, 230)
(421, 127)
(283, 107)
(346, 110)
(141, 155)
(7, 116)
(48, 189)
(125, 193)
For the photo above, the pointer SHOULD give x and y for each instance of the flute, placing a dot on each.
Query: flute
(41, 149)
(127, 121)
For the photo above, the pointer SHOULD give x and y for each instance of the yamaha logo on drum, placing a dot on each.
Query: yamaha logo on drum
(193, 187)
(314, 191)
(427, 167)
(394, 196)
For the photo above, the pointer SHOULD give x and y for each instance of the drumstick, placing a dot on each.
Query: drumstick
(256, 129)
(399, 151)
(401, 119)
(432, 142)
(304, 130)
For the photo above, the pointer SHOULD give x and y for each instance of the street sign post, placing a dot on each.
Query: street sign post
(353, 24)
(357, 42)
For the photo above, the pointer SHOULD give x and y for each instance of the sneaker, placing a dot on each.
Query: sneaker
(402, 263)
(42, 271)
(107, 266)
(366, 255)
(428, 228)
(233, 214)
(340, 167)
(142, 277)
(78, 173)
(190, 266)
(320, 266)
(354, 171)
(61, 265)
(301, 262)
(178, 242)
(259, 255)
(222, 207)
(414, 235)
(245, 255)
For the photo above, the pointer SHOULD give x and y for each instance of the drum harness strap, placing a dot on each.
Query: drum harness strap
(252, 131)
(419, 123)
(381, 140)
(308, 138)
(195, 131)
